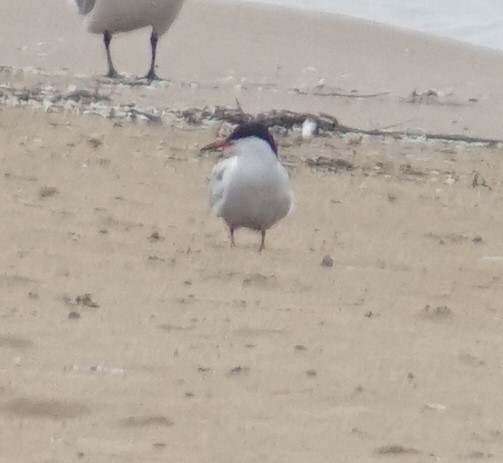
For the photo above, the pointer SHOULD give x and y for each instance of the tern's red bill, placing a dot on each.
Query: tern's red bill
(216, 145)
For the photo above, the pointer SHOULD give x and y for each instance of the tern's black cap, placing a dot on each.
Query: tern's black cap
(254, 129)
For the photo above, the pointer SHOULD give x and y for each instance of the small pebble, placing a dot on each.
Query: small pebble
(436, 407)
(94, 142)
(86, 300)
(47, 191)
(238, 370)
(327, 261)
(155, 236)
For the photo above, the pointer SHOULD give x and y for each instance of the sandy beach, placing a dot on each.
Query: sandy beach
(130, 331)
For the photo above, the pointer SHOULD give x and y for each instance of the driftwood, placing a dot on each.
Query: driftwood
(339, 94)
(325, 122)
(283, 118)
(82, 100)
(427, 135)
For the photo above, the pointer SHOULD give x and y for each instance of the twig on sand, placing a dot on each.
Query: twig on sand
(282, 118)
(93, 102)
(326, 123)
(238, 104)
(426, 135)
(339, 94)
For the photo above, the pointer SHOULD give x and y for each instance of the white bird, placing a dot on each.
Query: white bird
(309, 129)
(250, 189)
(109, 17)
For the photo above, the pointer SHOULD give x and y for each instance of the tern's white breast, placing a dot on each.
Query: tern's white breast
(127, 15)
(251, 189)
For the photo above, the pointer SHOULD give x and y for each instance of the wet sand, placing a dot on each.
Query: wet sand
(132, 332)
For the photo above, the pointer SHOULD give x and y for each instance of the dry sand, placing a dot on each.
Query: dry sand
(130, 331)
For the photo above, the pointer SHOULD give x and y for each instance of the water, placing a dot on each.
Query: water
(479, 22)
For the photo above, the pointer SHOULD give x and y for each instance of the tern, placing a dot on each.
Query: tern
(109, 17)
(251, 189)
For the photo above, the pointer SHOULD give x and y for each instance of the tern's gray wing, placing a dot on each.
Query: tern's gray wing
(85, 6)
(219, 181)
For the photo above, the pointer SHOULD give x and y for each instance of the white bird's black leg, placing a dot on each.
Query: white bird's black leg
(262, 243)
(107, 38)
(154, 38)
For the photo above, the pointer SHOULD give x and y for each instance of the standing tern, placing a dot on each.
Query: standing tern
(109, 17)
(250, 189)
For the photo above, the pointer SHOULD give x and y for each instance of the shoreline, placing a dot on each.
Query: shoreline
(391, 21)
